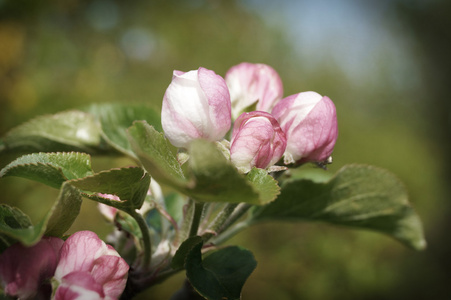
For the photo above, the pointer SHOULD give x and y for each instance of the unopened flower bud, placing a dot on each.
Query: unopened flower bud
(250, 83)
(257, 141)
(309, 121)
(196, 105)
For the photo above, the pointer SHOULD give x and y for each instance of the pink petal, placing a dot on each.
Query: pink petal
(79, 285)
(24, 269)
(79, 253)
(257, 141)
(309, 121)
(249, 83)
(111, 272)
(195, 105)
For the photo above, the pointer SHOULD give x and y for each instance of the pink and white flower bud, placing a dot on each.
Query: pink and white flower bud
(107, 211)
(25, 272)
(309, 121)
(196, 105)
(249, 83)
(89, 268)
(257, 141)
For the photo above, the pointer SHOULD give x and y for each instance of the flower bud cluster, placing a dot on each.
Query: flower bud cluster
(82, 267)
(201, 104)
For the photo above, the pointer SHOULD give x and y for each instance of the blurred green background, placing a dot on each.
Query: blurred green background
(385, 64)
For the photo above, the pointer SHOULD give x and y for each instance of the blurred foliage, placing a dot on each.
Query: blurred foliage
(56, 55)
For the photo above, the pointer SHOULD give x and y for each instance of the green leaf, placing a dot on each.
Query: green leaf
(129, 184)
(212, 177)
(64, 211)
(116, 118)
(12, 229)
(128, 224)
(220, 275)
(15, 224)
(216, 179)
(178, 261)
(13, 217)
(65, 131)
(264, 184)
(50, 168)
(358, 196)
(154, 152)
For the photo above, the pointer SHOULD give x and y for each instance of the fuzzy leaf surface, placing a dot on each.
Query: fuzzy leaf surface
(50, 168)
(264, 184)
(358, 196)
(64, 211)
(129, 184)
(116, 118)
(154, 152)
(64, 131)
(15, 225)
(215, 178)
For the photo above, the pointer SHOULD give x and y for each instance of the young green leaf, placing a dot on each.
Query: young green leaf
(220, 275)
(264, 184)
(116, 118)
(50, 168)
(212, 177)
(11, 218)
(129, 184)
(358, 196)
(64, 211)
(16, 225)
(65, 131)
(155, 154)
(215, 178)
(178, 261)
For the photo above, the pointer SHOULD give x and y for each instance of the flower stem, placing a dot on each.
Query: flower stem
(227, 234)
(147, 245)
(198, 208)
(237, 213)
(217, 225)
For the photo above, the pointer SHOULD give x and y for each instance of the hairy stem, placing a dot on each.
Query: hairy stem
(198, 208)
(231, 232)
(147, 245)
(219, 223)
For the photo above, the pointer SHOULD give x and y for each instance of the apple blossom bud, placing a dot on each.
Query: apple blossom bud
(257, 141)
(309, 121)
(196, 105)
(107, 211)
(249, 83)
(88, 267)
(25, 272)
